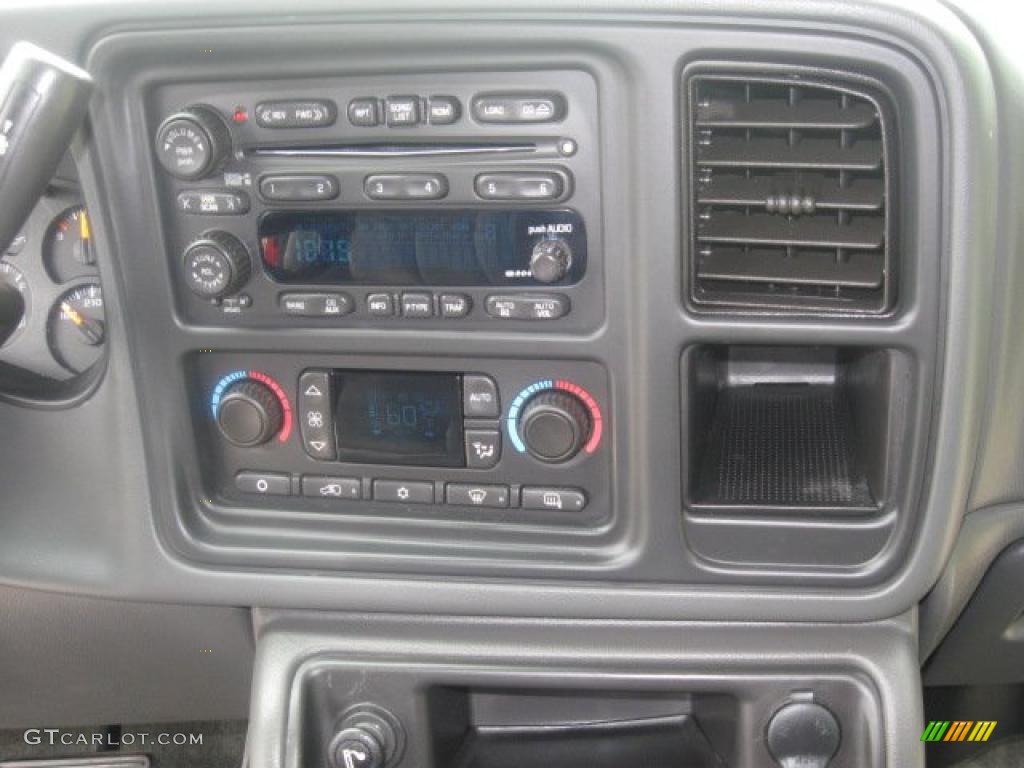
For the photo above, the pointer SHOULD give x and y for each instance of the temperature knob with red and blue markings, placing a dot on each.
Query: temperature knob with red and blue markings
(251, 408)
(553, 420)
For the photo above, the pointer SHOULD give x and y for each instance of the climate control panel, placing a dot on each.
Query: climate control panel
(355, 435)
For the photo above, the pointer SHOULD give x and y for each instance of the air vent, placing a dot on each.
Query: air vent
(792, 195)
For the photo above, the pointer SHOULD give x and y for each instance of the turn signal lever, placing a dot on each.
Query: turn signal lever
(43, 100)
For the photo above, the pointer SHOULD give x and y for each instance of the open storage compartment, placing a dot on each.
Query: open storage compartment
(792, 430)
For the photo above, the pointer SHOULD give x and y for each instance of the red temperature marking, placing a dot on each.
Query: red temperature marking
(286, 407)
(597, 423)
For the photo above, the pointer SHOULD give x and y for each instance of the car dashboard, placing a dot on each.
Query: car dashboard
(600, 381)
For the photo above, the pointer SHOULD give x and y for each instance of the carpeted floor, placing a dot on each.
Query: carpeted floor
(1006, 754)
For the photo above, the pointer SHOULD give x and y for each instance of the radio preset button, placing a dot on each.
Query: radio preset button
(467, 495)
(316, 420)
(364, 113)
(332, 487)
(454, 305)
(298, 188)
(549, 307)
(402, 111)
(380, 305)
(483, 448)
(444, 110)
(518, 108)
(417, 305)
(480, 397)
(200, 202)
(403, 491)
(519, 186)
(317, 304)
(305, 113)
(556, 499)
(264, 483)
(406, 186)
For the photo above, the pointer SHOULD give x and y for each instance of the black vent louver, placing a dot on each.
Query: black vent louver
(792, 195)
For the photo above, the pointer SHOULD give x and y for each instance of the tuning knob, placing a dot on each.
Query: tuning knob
(249, 413)
(192, 143)
(550, 260)
(217, 265)
(554, 426)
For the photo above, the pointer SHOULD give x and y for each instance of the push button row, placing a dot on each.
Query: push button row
(411, 110)
(419, 305)
(483, 496)
(312, 187)
(403, 111)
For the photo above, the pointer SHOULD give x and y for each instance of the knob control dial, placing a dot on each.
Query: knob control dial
(554, 426)
(249, 413)
(217, 265)
(551, 260)
(192, 143)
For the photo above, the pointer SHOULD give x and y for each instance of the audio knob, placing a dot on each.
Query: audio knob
(550, 260)
(554, 426)
(249, 413)
(217, 265)
(192, 143)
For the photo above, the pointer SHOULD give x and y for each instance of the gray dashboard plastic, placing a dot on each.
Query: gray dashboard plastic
(58, 533)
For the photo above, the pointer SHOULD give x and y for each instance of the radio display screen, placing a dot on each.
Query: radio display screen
(423, 248)
(399, 418)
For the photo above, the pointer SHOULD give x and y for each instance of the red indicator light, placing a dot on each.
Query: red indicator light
(240, 115)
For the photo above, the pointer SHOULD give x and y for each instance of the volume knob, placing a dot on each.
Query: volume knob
(217, 265)
(192, 143)
(249, 413)
(554, 426)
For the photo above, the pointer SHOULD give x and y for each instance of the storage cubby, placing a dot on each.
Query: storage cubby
(796, 430)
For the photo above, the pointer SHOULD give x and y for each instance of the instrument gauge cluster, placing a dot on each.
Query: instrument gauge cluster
(52, 264)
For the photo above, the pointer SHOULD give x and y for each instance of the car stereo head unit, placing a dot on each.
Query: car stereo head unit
(470, 200)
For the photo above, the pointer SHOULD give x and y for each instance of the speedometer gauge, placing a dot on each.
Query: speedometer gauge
(77, 328)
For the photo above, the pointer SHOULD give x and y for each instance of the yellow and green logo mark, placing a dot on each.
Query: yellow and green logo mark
(959, 730)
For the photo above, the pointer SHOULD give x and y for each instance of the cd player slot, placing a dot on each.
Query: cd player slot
(407, 149)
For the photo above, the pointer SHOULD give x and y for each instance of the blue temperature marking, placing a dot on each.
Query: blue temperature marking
(223, 384)
(511, 425)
